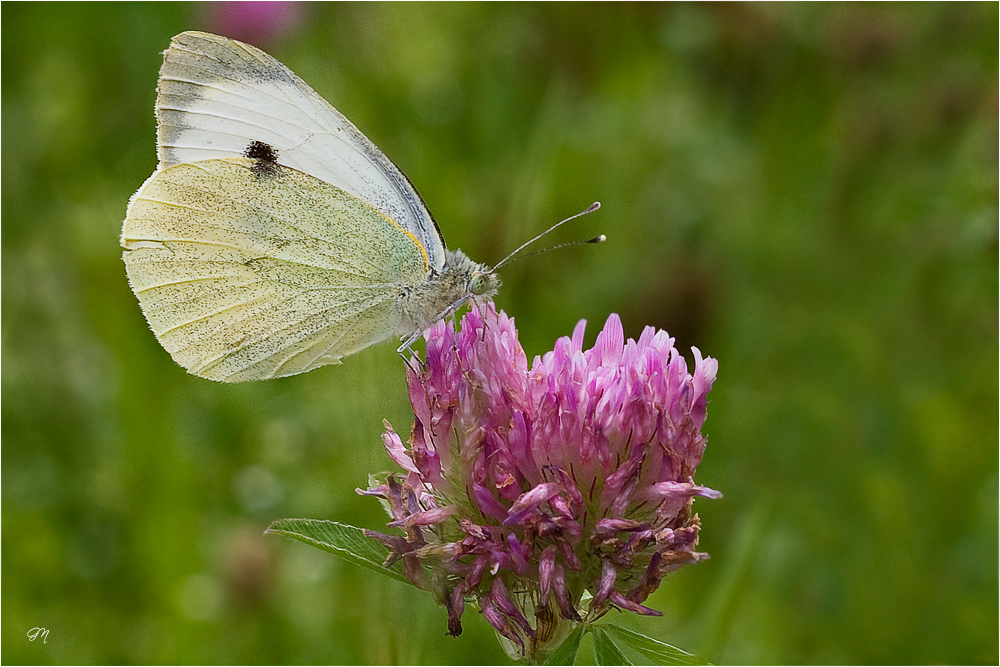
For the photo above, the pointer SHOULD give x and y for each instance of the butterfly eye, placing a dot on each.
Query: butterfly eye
(480, 284)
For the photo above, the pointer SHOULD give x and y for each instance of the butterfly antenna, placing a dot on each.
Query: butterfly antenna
(601, 238)
(590, 209)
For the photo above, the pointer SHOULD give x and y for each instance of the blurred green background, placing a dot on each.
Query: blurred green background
(807, 193)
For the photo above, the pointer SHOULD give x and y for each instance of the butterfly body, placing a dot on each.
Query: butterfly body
(274, 237)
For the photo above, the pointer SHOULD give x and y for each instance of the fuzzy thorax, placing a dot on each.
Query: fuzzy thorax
(445, 292)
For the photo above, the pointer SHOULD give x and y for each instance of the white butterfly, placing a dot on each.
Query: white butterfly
(274, 237)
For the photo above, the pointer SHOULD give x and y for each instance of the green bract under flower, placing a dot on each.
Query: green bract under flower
(526, 488)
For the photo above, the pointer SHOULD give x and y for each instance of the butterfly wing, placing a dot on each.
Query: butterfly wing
(216, 95)
(249, 273)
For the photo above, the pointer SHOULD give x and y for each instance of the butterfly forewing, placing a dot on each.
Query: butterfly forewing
(246, 274)
(216, 97)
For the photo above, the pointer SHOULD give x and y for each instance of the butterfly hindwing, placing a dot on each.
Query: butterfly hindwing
(247, 273)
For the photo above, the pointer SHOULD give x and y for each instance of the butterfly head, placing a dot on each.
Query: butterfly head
(483, 282)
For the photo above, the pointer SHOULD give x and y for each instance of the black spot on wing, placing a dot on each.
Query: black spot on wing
(258, 150)
(265, 159)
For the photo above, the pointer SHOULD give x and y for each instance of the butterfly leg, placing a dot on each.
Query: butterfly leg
(407, 345)
(406, 352)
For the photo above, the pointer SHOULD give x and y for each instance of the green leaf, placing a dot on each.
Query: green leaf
(605, 651)
(659, 652)
(566, 653)
(347, 542)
